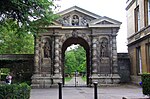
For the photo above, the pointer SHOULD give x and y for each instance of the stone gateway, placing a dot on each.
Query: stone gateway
(97, 34)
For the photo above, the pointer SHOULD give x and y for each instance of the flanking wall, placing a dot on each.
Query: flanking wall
(21, 66)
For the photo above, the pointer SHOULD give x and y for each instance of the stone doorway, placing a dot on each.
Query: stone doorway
(84, 44)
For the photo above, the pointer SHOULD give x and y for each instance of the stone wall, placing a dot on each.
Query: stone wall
(124, 67)
(20, 65)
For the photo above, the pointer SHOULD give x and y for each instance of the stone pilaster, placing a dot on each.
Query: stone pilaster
(36, 74)
(41, 77)
(94, 61)
(57, 67)
(116, 77)
(36, 57)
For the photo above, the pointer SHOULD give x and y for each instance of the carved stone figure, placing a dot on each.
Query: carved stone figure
(46, 50)
(66, 20)
(103, 48)
(75, 20)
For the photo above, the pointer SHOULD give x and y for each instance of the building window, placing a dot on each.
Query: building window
(148, 57)
(139, 60)
(137, 19)
(147, 12)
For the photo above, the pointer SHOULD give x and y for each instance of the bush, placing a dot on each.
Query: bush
(15, 91)
(3, 77)
(146, 84)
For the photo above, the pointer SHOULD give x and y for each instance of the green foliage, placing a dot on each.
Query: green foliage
(75, 60)
(146, 84)
(15, 40)
(29, 13)
(67, 79)
(84, 78)
(3, 73)
(15, 91)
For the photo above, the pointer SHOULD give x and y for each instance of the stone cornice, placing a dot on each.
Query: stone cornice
(80, 10)
(104, 26)
(129, 3)
(139, 40)
(142, 34)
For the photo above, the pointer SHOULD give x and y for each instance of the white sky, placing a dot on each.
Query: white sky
(114, 9)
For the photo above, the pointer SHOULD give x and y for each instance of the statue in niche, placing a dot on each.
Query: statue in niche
(75, 20)
(103, 48)
(66, 20)
(46, 49)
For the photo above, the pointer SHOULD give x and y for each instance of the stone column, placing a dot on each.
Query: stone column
(111, 55)
(94, 61)
(35, 82)
(36, 57)
(57, 67)
(116, 77)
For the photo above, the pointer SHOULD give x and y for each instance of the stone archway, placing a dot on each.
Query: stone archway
(84, 44)
(95, 33)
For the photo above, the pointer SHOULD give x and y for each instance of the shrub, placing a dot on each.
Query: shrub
(146, 84)
(15, 91)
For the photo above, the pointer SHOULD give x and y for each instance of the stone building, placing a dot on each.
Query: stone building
(138, 30)
(97, 34)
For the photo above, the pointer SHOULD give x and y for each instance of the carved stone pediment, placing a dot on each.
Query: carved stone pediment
(76, 16)
(104, 22)
(75, 19)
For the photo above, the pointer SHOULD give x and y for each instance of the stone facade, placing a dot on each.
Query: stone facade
(95, 33)
(138, 30)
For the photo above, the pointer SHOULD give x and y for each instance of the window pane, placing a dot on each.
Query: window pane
(148, 51)
(139, 60)
(138, 15)
(148, 12)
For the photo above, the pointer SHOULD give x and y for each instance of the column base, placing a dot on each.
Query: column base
(41, 81)
(106, 79)
(57, 78)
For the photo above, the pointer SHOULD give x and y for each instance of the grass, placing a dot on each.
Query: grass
(67, 79)
(84, 78)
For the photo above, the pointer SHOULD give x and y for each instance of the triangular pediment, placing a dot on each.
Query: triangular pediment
(105, 21)
(76, 16)
(80, 10)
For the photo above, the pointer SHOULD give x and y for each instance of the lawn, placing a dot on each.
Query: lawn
(84, 78)
(67, 79)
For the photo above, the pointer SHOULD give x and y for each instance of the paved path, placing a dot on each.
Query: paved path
(87, 93)
(78, 80)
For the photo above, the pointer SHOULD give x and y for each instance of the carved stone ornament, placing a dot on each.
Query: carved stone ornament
(46, 49)
(75, 20)
(104, 47)
(74, 33)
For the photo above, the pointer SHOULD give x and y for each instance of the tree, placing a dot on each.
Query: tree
(75, 59)
(14, 40)
(70, 62)
(24, 17)
(28, 13)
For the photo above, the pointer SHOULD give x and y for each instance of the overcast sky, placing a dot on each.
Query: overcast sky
(114, 9)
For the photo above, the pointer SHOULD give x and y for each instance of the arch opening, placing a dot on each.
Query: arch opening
(76, 74)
